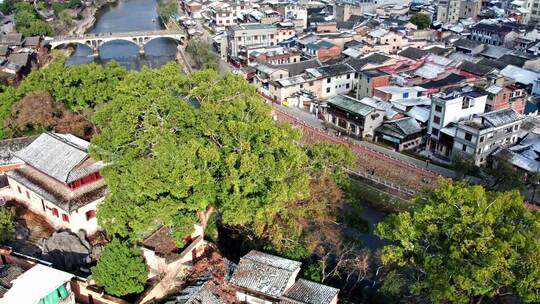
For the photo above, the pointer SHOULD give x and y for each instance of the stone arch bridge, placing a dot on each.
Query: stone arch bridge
(95, 40)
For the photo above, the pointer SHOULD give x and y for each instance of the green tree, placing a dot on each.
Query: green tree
(120, 269)
(167, 8)
(7, 228)
(464, 245)
(201, 144)
(503, 176)
(79, 88)
(421, 20)
(28, 23)
(203, 55)
(193, 143)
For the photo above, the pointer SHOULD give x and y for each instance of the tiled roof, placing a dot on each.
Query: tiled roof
(9, 146)
(53, 155)
(351, 105)
(475, 68)
(334, 70)
(413, 53)
(466, 44)
(264, 273)
(501, 117)
(299, 67)
(308, 292)
(513, 60)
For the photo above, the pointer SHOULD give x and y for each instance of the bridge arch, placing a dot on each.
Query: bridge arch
(178, 38)
(68, 44)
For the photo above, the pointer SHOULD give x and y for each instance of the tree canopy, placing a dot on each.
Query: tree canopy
(464, 244)
(421, 20)
(7, 228)
(202, 54)
(120, 269)
(198, 144)
(28, 22)
(78, 88)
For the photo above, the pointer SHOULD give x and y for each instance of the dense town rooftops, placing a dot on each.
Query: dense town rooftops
(525, 155)
(265, 273)
(451, 79)
(401, 128)
(307, 292)
(475, 68)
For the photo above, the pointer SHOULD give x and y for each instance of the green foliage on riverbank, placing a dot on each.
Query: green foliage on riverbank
(167, 8)
(28, 23)
(202, 54)
(464, 245)
(78, 88)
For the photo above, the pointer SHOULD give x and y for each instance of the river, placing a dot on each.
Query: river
(127, 16)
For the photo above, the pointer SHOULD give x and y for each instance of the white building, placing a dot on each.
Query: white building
(336, 79)
(448, 107)
(60, 181)
(245, 36)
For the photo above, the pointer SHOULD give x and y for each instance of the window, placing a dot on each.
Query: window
(348, 85)
(481, 139)
(436, 119)
(90, 214)
(348, 76)
(464, 148)
(405, 94)
(327, 90)
(301, 86)
(27, 195)
(435, 131)
(65, 218)
(311, 83)
(468, 136)
(438, 108)
(353, 128)
(328, 80)
(19, 189)
(356, 75)
(54, 212)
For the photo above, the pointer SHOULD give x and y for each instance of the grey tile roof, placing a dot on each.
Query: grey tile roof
(501, 117)
(308, 292)
(264, 273)
(475, 68)
(299, 67)
(413, 53)
(351, 105)
(334, 70)
(9, 147)
(57, 156)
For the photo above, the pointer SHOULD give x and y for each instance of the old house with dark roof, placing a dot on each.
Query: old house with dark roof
(59, 181)
(494, 34)
(357, 118)
(402, 134)
(264, 278)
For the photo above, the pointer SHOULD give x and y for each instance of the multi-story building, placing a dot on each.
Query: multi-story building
(369, 80)
(494, 34)
(336, 79)
(535, 11)
(448, 11)
(481, 135)
(344, 9)
(59, 181)
(450, 106)
(357, 118)
(245, 36)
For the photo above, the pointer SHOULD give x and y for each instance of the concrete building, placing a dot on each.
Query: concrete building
(245, 36)
(449, 107)
(344, 9)
(480, 136)
(369, 80)
(451, 11)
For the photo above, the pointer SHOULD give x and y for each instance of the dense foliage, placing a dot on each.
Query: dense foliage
(463, 245)
(120, 269)
(203, 55)
(421, 20)
(7, 228)
(28, 22)
(77, 88)
(201, 144)
(167, 8)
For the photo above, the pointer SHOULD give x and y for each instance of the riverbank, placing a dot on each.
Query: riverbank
(88, 18)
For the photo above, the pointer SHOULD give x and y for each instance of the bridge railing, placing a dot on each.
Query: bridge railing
(117, 34)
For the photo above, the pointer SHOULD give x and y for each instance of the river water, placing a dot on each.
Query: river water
(128, 16)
